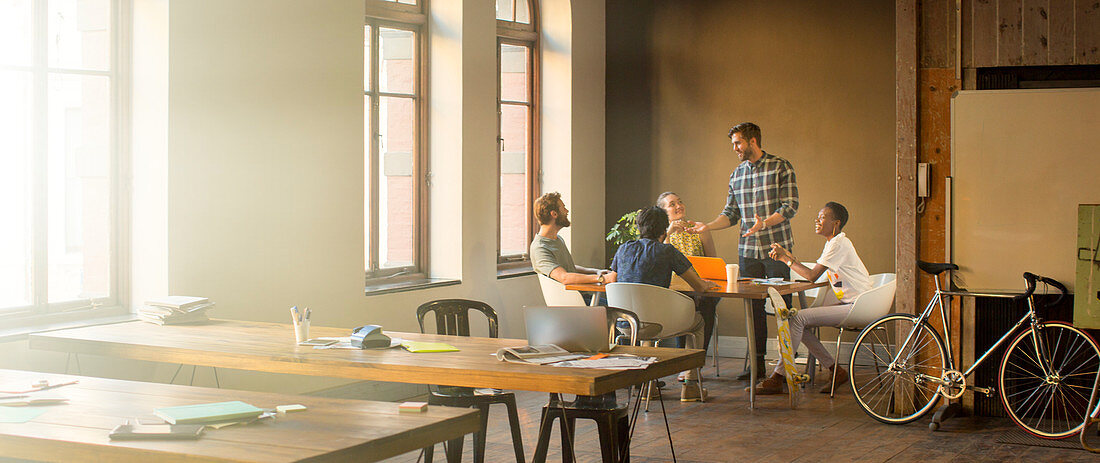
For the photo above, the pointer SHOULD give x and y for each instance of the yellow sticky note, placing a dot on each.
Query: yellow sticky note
(416, 346)
(289, 408)
(413, 407)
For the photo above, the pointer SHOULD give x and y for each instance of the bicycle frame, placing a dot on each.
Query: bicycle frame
(938, 299)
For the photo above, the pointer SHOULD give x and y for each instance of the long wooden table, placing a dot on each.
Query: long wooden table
(741, 289)
(329, 430)
(270, 347)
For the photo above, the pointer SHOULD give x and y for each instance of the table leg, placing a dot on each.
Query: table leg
(595, 301)
(752, 353)
(811, 361)
(454, 450)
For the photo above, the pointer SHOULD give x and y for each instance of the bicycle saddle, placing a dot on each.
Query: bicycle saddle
(935, 269)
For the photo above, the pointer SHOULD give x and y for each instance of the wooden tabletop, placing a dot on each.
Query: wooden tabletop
(329, 430)
(743, 289)
(270, 347)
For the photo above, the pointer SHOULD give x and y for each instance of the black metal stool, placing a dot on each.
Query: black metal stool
(613, 425)
(452, 317)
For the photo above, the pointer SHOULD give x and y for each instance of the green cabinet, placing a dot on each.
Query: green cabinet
(1086, 305)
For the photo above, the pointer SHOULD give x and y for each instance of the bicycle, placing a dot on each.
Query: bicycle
(1044, 379)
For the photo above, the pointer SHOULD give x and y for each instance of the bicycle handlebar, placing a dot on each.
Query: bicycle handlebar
(1032, 278)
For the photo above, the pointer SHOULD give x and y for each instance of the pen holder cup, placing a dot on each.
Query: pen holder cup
(301, 331)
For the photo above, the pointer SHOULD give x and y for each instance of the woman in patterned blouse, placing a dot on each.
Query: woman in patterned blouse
(690, 244)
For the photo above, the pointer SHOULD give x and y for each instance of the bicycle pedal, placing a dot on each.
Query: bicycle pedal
(988, 391)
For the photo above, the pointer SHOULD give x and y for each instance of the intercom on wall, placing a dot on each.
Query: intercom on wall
(922, 179)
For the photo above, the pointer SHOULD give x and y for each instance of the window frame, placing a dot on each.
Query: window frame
(522, 35)
(40, 311)
(391, 15)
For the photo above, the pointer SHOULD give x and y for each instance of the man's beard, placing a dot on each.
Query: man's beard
(562, 221)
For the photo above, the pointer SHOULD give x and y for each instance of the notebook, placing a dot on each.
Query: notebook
(711, 268)
(208, 413)
(575, 329)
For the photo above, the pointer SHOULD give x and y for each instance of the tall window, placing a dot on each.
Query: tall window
(517, 97)
(394, 165)
(59, 139)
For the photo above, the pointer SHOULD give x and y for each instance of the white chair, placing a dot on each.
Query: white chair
(673, 312)
(867, 307)
(555, 294)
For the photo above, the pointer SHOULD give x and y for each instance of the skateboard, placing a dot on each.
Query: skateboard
(786, 350)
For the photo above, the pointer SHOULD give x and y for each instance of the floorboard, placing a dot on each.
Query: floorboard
(724, 429)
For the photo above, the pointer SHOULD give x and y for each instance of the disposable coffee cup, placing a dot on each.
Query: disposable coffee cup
(733, 272)
(301, 331)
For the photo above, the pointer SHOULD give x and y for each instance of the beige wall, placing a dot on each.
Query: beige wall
(264, 165)
(818, 77)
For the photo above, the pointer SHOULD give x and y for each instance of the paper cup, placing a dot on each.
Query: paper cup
(733, 272)
(301, 331)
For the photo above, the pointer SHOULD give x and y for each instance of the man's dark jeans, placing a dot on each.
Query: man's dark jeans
(588, 298)
(763, 268)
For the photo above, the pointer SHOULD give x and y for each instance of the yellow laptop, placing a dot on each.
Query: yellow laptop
(711, 268)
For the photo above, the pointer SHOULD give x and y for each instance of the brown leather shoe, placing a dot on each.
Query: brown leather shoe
(841, 379)
(775, 384)
(689, 392)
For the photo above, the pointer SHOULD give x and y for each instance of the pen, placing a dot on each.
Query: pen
(294, 314)
(308, 313)
(51, 386)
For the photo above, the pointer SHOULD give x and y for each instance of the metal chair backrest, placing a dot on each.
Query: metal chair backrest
(614, 314)
(555, 294)
(675, 312)
(873, 304)
(452, 316)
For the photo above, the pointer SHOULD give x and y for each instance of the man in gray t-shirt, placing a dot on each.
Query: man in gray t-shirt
(549, 255)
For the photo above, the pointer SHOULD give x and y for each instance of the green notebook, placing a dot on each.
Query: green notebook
(417, 346)
(208, 413)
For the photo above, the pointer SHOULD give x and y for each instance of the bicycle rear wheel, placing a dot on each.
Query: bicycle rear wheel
(1048, 396)
(891, 385)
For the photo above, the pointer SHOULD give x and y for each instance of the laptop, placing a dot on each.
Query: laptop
(575, 329)
(710, 268)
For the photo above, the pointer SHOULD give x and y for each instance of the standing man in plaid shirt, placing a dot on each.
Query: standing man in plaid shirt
(763, 196)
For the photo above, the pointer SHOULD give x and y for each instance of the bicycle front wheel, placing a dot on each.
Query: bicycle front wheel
(893, 385)
(1047, 394)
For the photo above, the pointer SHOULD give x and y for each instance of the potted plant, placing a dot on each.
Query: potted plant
(623, 230)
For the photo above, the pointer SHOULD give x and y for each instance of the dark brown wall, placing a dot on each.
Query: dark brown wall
(818, 78)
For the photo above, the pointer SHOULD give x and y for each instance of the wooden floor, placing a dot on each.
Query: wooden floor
(724, 429)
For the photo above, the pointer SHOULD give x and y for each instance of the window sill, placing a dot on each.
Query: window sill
(513, 270)
(408, 285)
(20, 332)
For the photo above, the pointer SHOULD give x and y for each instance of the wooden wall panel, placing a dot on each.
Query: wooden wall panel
(906, 34)
(936, 88)
(937, 34)
(1060, 28)
(1009, 33)
(984, 32)
(1035, 26)
(967, 41)
(1087, 33)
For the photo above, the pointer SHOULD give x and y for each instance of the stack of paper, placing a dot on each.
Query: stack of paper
(208, 413)
(170, 310)
(611, 362)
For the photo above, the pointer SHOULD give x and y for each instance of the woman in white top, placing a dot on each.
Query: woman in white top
(848, 278)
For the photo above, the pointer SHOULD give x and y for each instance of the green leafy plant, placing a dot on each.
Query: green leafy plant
(623, 230)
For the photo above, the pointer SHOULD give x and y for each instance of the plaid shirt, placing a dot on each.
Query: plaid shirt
(762, 188)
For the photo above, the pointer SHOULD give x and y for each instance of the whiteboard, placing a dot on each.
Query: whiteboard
(1022, 160)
